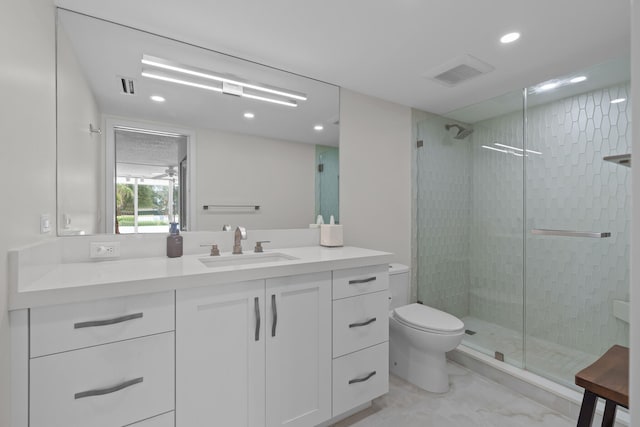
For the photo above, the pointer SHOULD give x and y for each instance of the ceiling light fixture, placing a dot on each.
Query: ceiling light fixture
(249, 115)
(547, 86)
(318, 127)
(180, 81)
(157, 98)
(618, 100)
(204, 74)
(509, 38)
(578, 79)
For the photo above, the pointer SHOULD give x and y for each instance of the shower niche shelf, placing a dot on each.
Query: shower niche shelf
(621, 159)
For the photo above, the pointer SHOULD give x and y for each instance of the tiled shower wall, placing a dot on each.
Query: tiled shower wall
(470, 220)
(571, 282)
(444, 217)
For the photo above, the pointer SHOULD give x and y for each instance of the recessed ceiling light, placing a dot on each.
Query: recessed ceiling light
(509, 38)
(249, 115)
(548, 86)
(578, 79)
(318, 127)
(618, 100)
(157, 98)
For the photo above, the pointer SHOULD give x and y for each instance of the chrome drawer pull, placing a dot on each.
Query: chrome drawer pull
(113, 321)
(257, 309)
(359, 380)
(368, 322)
(357, 281)
(101, 391)
(274, 310)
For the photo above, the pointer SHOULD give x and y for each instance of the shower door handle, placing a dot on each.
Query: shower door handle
(570, 233)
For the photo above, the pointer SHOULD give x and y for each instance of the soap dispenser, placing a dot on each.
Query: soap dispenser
(174, 242)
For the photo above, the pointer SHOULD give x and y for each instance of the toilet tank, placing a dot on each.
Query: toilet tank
(399, 285)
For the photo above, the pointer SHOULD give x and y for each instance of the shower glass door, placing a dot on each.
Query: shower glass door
(469, 212)
(523, 219)
(578, 210)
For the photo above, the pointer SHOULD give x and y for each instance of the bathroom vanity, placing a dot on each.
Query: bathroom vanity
(297, 336)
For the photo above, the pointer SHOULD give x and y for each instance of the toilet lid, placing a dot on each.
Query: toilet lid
(428, 319)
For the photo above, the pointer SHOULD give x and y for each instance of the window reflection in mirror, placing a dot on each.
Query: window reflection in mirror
(149, 189)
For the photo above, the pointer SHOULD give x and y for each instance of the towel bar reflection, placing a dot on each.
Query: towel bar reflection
(227, 207)
(570, 233)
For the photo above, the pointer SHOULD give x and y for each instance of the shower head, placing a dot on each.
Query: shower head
(462, 131)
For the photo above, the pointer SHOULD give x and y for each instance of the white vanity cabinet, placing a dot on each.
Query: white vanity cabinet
(360, 336)
(102, 363)
(255, 353)
(220, 355)
(298, 350)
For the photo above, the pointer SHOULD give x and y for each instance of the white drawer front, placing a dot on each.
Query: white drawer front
(79, 388)
(360, 322)
(67, 327)
(356, 368)
(358, 281)
(164, 420)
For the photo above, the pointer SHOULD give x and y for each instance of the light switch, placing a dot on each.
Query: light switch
(45, 224)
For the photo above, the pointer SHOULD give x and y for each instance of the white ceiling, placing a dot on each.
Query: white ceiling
(385, 48)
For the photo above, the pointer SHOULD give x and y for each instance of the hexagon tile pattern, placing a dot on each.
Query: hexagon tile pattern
(471, 220)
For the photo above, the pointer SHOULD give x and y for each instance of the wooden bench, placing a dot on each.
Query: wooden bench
(608, 378)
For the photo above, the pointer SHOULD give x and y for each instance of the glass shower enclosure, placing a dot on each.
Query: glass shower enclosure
(523, 210)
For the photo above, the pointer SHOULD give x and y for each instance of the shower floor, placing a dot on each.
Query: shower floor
(551, 360)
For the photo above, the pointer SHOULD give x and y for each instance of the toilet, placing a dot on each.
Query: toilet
(419, 336)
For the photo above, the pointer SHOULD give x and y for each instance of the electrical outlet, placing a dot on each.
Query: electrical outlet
(105, 250)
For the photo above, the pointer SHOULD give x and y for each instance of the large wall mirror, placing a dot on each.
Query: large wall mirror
(152, 131)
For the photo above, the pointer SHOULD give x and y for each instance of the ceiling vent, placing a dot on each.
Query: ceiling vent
(127, 85)
(459, 70)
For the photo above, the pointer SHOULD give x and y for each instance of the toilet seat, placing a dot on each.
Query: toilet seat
(428, 319)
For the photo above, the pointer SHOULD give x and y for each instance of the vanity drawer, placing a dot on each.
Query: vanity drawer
(360, 377)
(70, 326)
(164, 420)
(360, 322)
(358, 281)
(109, 385)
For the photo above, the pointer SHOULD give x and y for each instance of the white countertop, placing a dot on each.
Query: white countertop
(84, 281)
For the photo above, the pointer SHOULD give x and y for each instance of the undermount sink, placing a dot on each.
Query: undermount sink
(244, 259)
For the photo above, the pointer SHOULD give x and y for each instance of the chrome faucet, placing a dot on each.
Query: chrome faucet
(240, 234)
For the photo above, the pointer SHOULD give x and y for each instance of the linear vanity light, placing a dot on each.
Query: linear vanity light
(178, 68)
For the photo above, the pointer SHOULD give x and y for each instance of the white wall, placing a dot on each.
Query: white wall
(80, 157)
(375, 174)
(635, 226)
(239, 169)
(28, 159)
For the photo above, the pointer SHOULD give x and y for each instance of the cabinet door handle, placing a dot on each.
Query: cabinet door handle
(368, 322)
(274, 310)
(256, 305)
(358, 281)
(106, 322)
(363, 379)
(101, 391)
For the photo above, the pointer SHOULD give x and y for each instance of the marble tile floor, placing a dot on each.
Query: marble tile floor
(472, 401)
(554, 361)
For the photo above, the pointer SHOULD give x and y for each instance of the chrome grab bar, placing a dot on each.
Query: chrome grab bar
(570, 233)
